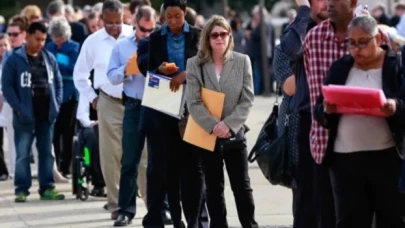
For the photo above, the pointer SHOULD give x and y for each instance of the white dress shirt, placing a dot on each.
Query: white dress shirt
(83, 112)
(95, 54)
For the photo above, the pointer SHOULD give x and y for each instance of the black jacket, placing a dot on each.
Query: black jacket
(393, 87)
(151, 120)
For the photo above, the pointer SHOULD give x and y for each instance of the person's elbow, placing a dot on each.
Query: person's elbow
(289, 86)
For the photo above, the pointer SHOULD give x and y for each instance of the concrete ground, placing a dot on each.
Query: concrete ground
(273, 203)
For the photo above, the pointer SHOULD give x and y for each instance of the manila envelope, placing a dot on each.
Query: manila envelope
(132, 67)
(196, 135)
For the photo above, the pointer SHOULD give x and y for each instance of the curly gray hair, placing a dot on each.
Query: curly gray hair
(59, 26)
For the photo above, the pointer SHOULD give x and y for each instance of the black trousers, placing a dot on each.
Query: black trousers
(173, 168)
(3, 166)
(89, 138)
(63, 135)
(237, 168)
(313, 204)
(366, 184)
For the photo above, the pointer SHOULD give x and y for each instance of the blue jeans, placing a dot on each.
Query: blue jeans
(257, 76)
(23, 138)
(133, 141)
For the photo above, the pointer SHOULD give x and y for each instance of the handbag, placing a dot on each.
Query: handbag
(235, 142)
(271, 151)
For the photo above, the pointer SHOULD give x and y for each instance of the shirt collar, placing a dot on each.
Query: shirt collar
(106, 35)
(165, 29)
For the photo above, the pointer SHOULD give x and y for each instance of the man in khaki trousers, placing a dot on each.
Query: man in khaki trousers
(108, 102)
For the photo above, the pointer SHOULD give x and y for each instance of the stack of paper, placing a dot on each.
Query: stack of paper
(158, 96)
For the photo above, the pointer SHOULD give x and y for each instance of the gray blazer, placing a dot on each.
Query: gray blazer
(235, 81)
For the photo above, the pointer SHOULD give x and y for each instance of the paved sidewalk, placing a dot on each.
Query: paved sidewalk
(273, 203)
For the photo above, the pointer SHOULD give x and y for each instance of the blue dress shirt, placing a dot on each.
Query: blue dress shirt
(176, 46)
(133, 84)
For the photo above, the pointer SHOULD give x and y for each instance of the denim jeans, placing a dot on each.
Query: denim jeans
(133, 141)
(43, 132)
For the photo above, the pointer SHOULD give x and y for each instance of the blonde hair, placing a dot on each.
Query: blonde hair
(205, 52)
(31, 11)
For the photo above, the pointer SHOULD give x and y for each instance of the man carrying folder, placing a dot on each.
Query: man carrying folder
(123, 68)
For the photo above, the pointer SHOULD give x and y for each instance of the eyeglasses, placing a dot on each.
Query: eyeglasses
(215, 35)
(361, 43)
(143, 29)
(13, 34)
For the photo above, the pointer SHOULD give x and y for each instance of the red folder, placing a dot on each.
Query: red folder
(355, 100)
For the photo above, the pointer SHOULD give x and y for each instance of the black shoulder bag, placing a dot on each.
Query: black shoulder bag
(235, 142)
(271, 151)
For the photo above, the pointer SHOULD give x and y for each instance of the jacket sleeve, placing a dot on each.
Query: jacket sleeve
(241, 111)
(194, 103)
(9, 84)
(142, 53)
(73, 54)
(292, 40)
(399, 115)
(281, 66)
(58, 83)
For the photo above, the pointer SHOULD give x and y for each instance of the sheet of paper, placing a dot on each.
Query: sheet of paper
(194, 134)
(132, 67)
(158, 96)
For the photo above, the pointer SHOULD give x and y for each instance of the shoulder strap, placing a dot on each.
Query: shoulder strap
(202, 76)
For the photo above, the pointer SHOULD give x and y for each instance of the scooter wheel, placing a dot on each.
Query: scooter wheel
(84, 194)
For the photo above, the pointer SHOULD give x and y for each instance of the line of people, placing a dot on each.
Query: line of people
(347, 167)
(43, 84)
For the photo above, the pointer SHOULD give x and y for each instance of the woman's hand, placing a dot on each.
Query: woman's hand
(177, 81)
(221, 130)
(167, 70)
(390, 107)
(329, 108)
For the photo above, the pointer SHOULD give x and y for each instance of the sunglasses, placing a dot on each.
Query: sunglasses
(13, 34)
(143, 29)
(215, 35)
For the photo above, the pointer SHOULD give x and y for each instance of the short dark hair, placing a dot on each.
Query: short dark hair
(146, 12)
(112, 5)
(137, 3)
(54, 7)
(21, 22)
(37, 26)
(93, 15)
(182, 4)
(191, 16)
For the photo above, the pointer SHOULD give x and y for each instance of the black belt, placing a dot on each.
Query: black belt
(132, 101)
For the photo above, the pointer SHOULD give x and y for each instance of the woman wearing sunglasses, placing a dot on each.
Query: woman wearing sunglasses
(366, 166)
(217, 67)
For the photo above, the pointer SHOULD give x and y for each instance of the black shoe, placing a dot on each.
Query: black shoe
(105, 207)
(123, 220)
(167, 219)
(98, 192)
(3, 177)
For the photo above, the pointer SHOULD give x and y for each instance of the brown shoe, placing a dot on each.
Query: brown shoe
(114, 215)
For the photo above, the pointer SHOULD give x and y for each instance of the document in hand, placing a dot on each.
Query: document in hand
(132, 67)
(355, 100)
(194, 134)
(158, 96)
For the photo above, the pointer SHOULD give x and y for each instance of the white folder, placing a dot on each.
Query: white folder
(158, 96)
